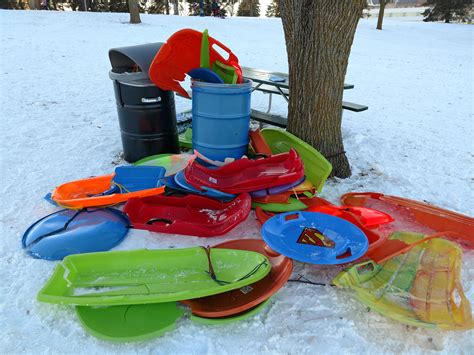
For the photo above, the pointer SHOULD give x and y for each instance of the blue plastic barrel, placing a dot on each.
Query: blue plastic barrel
(221, 119)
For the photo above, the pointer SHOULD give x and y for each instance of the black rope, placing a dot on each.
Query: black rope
(212, 273)
(304, 280)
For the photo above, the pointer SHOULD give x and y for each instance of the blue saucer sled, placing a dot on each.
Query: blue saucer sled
(69, 232)
(315, 238)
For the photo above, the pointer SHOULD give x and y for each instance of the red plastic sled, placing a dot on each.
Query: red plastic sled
(245, 175)
(417, 216)
(182, 53)
(237, 301)
(189, 215)
(368, 217)
(258, 143)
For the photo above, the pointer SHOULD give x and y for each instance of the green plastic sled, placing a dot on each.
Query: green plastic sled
(173, 163)
(186, 139)
(151, 276)
(231, 319)
(151, 159)
(316, 167)
(292, 205)
(129, 322)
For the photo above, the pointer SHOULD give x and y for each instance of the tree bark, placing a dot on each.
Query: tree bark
(381, 13)
(319, 35)
(176, 7)
(134, 11)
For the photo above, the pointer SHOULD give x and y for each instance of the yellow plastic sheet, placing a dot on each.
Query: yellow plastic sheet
(421, 287)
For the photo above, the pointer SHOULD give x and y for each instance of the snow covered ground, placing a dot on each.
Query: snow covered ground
(59, 123)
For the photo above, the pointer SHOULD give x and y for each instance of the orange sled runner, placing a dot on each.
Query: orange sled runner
(86, 193)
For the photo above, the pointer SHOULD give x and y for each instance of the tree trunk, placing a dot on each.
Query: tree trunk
(134, 11)
(176, 7)
(381, 12)
(251, 8)
(319, 36)
(34, 4)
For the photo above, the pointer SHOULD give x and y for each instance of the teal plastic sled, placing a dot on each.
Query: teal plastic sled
(316, 166)
(151, 276)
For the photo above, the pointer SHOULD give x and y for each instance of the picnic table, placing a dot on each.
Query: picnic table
(270, 82)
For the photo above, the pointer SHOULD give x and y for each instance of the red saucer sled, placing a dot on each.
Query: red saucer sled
(245, 175)
(240, 300)
(189, 215)
(417, 216)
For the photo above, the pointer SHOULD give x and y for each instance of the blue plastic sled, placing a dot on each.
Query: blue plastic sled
(315, 238)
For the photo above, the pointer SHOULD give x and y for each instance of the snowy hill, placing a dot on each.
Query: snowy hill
(59, 123)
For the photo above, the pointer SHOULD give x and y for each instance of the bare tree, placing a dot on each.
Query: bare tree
(175, 7)
(382, 4)
(319, 35)
(134, 11)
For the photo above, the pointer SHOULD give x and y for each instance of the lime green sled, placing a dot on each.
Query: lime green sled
(173, 163)
(152, 159)
(129, 322)
(186, 139)
(231, 319)
(292, 205)
(151, 276)
(316, 167)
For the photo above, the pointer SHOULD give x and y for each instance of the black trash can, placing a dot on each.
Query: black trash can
(147, 114)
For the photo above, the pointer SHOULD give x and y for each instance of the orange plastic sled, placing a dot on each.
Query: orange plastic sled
(182, 53)
(237, 301)
(80, 193)
(434, 218)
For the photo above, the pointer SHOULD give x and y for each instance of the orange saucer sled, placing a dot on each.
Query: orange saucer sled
(81, 193)
(237, 301)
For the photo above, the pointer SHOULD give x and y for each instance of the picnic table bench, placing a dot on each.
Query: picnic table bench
(278, 83)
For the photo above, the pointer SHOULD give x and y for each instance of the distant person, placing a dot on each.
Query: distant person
(216, 10)
(44, 5)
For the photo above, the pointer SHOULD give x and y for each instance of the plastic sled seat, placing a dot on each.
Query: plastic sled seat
(189, 215)
(315, 238)
(180, 54)
(245, 175)
(418, 215)
(136, 178)
(420, 287)
(240, 300)
(89, 193)
(317, 168)
(151, 276)
(69, 232)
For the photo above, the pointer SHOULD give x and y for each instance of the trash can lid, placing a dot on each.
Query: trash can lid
(132, 63)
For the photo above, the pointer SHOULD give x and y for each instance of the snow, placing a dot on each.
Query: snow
(59, 124)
